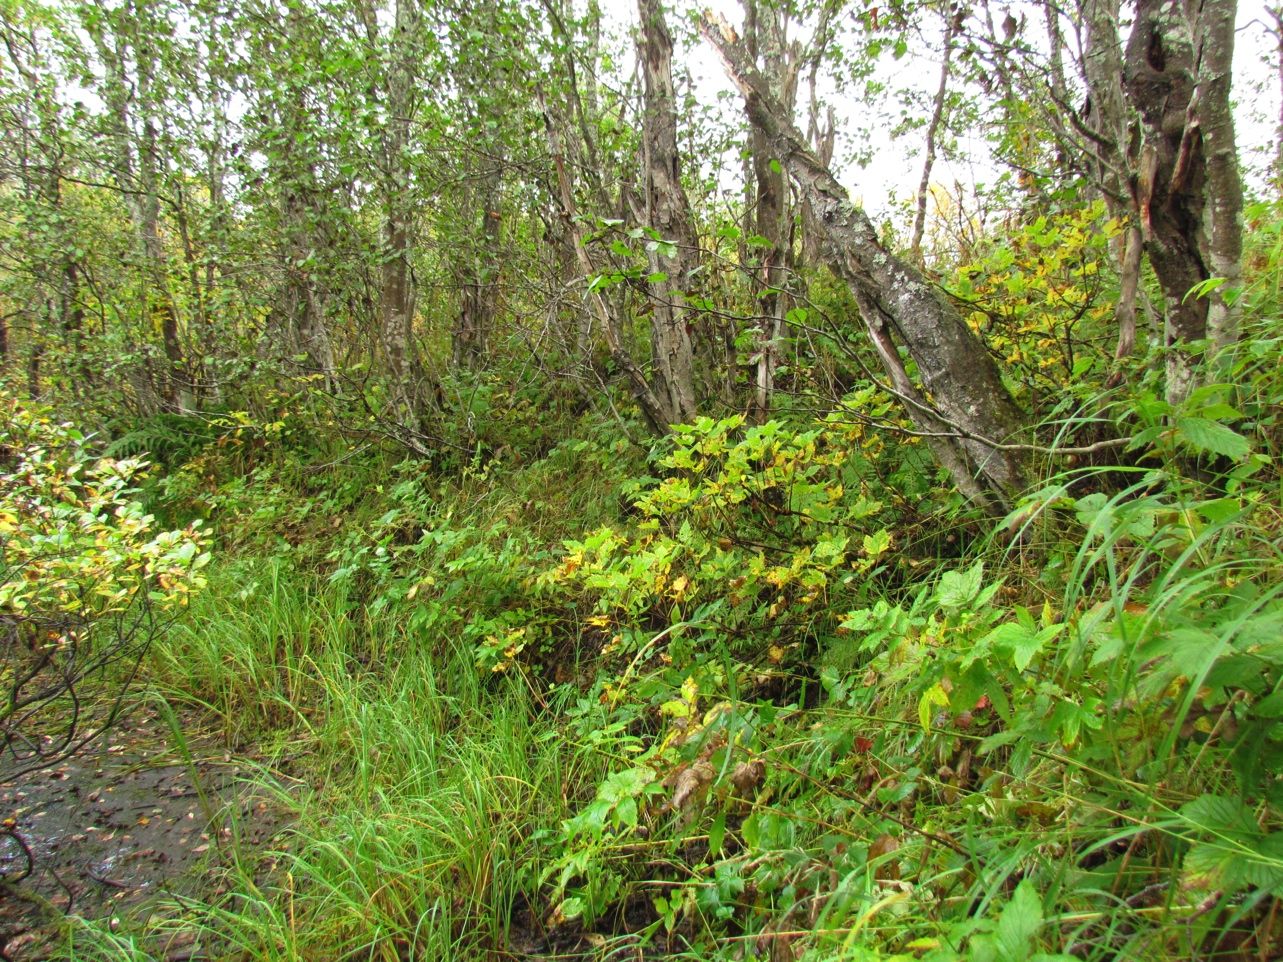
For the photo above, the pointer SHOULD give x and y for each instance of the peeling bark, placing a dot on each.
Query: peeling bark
(1186, 185)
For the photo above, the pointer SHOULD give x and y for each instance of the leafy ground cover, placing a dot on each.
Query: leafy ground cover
(729, 700)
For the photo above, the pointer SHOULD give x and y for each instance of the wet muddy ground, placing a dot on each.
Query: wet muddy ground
(128, 818)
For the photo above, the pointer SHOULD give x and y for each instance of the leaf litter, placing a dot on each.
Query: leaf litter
(101, 834)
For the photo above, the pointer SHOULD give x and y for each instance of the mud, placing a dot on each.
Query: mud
(127, 819)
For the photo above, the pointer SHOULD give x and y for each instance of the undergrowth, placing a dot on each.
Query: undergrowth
(734, 700)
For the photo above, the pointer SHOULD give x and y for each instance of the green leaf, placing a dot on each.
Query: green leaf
(1269, 707)
(877, 544)
(958, 588)
(716, 833)
(1203, 288)
(663, 248)
(1215, 813)
(1019, 642)
(1220, 510)
(1019, 923)
(1212, 437)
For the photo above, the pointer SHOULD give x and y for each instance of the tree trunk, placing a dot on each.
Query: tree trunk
(480, 296)
(964, 408)
(1276, 15)
(673, 256)
(305, 303)
(822, 136)
(1109, 124)
(766, 42)
(1187, 189)
(952, 24)
(1222, 227)
(397, 300)
(139, 185)
(652, 407)
(304, 296)
(162, 303)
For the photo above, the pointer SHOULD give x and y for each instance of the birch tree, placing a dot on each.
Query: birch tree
(961, 405)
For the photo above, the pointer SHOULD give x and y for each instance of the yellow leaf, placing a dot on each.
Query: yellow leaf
(678, 587)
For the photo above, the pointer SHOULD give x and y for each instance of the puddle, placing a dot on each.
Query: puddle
(121, 821)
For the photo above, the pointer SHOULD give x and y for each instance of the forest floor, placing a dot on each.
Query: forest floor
(129, 817)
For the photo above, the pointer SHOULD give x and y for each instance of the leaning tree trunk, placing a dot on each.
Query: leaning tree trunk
(964, 409)
(668, 213)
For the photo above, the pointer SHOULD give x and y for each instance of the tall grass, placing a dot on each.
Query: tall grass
(1123, 803)
(417, 786)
